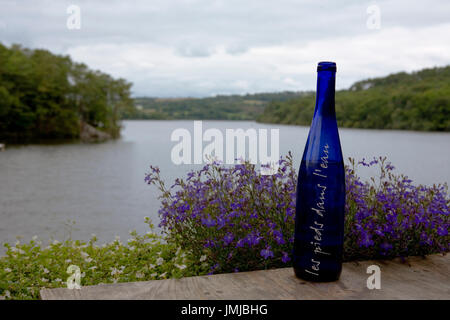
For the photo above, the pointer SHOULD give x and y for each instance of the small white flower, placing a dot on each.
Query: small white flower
(183, 255)
(115, 271)
(203, 258)
(55, 242)
(132, 248)
(181, 267)
(44, 280)
(7, 294)
(154, 274)
(139, 275)
(68, 260)
(88, 260)
(84, 254)
(93, 268)
(46, 270)
(7, 270)
(151, 266)
(159, 261)
(57, 280)
(162, 275)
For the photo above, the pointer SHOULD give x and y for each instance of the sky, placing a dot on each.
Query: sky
(201, 48)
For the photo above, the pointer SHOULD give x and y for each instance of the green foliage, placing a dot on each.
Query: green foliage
(233, 107)
(46, 96)
(28, 267)
(416, 101)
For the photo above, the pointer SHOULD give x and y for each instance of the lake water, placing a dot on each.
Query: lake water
(101, 186)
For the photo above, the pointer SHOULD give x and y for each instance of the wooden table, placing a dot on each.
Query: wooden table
(416, 278)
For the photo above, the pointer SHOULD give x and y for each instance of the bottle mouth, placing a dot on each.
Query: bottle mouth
(326, 66)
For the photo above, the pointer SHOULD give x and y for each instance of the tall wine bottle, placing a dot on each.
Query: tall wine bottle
(319, 216)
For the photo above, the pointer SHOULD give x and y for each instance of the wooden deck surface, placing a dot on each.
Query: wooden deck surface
(417, 278)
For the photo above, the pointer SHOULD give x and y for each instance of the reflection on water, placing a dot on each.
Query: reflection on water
(101, 186)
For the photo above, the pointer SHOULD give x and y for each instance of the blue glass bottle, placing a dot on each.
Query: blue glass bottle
(319, 219)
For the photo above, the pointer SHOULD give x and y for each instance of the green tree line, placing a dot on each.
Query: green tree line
(220, 107)
(48, 96)
(411, 101)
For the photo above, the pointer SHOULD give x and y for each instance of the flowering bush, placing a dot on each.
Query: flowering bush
(28, 267)
(391, 217)
(242, 220)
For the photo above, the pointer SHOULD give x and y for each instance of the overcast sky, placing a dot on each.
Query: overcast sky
(207, 47)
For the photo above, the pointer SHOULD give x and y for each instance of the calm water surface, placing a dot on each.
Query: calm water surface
(101, 186)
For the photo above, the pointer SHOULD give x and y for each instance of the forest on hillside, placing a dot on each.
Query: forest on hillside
(410, 101)
(220, 107)
(46, 96)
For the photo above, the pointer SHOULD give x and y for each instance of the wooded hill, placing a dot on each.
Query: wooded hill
(411, 101)
(221, 107)
(46, 96)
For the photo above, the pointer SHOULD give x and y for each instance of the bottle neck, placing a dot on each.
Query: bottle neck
(326, 80)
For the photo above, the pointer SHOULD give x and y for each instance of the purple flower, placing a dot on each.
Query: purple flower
(252, 239)
(267, 253)
(220, 223)
(228, 238)
(386, 246)
(278, 236)
(209, 244)
(442, 231)
(213, 268)
(365, 239)
(209, 222)
(285, 258)
(240, 243)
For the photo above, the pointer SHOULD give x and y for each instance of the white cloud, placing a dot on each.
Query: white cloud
(204, 47)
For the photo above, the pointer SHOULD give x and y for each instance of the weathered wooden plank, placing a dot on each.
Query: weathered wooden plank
(416, 278)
